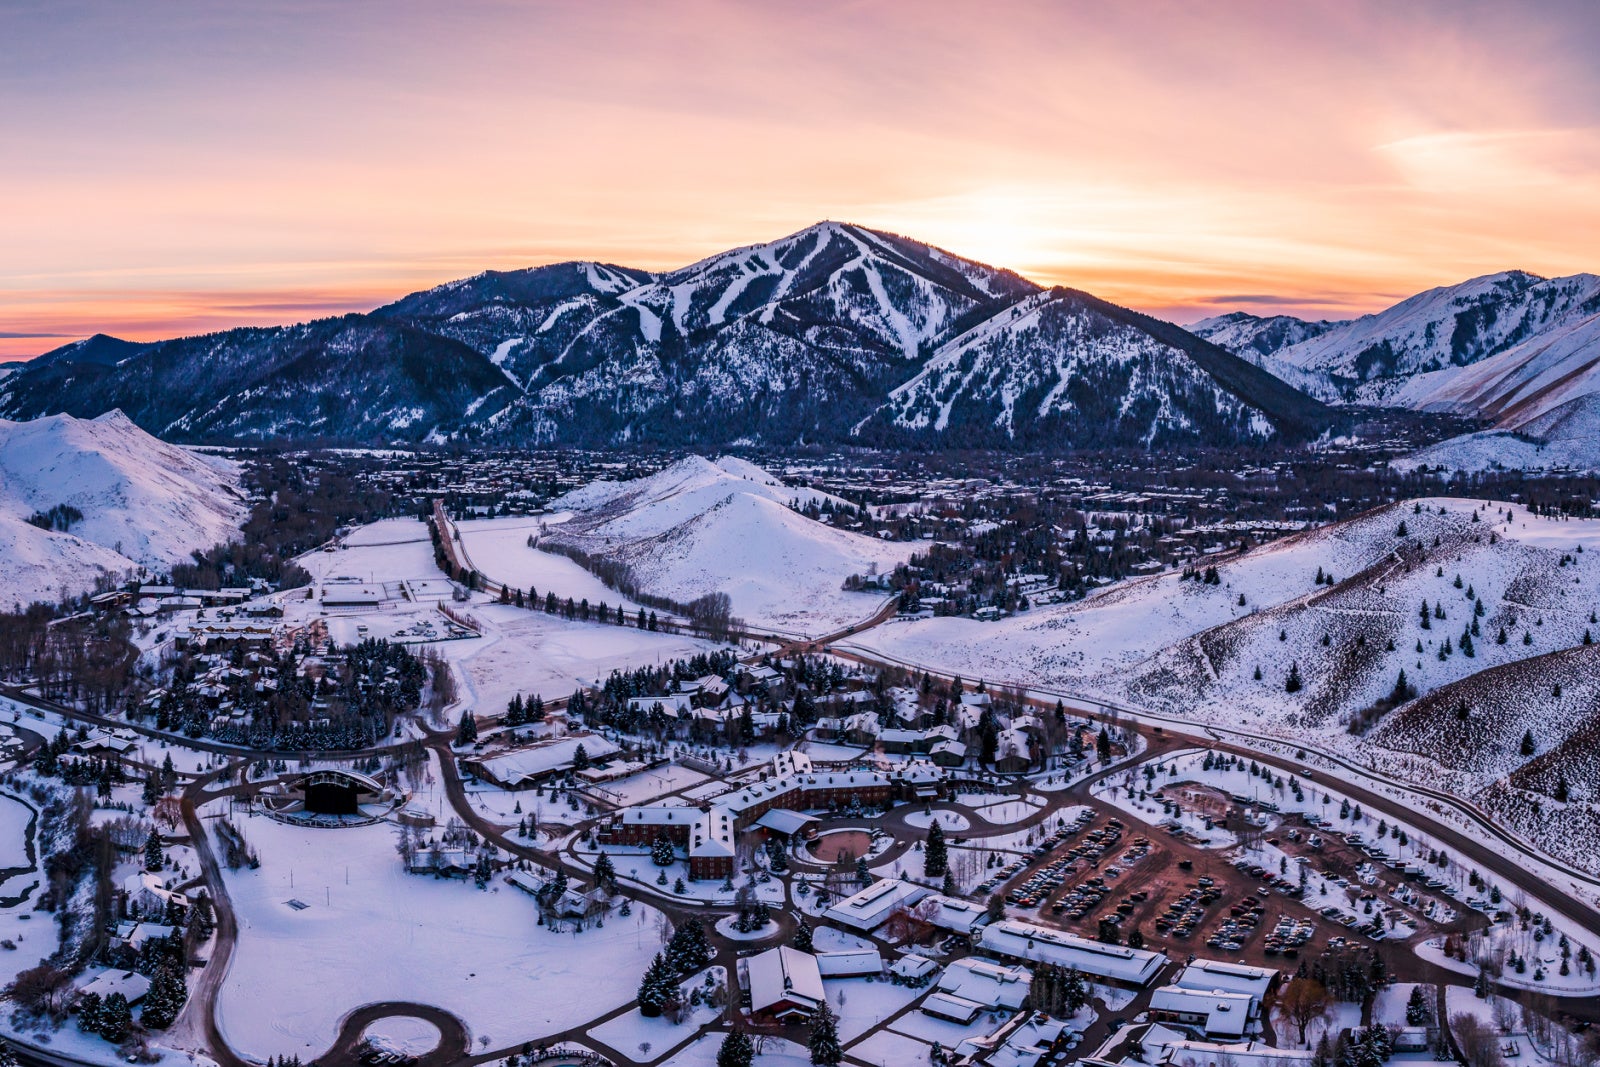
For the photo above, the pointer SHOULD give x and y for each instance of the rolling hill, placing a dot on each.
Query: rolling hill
(140, 503)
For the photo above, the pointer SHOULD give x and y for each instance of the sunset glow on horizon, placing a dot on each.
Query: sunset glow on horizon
(173, 169)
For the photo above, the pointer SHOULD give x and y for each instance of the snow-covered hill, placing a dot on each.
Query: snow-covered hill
(700, 527)
(1259, 335)
(1193, 650)
(1567, 436)
(143, 503)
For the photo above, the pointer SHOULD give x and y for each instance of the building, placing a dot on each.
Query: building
(791, 786)
(850, 963)
(871, 907)
(1028, 1039)
(1229, 977)
(130, 984)
(969, 986)
(528, 766)
(1129, 967)
(1214, 1013)
(349, 597)
(335, 791)
(785, 984)
(1158, 1045)
(952, 913)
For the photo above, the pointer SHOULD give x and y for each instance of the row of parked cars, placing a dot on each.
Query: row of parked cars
(1288, 936)
(1186, 912)
(1056, 869)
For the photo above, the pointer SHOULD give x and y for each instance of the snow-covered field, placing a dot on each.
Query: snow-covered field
(370, 932)
(726, 527)
(144, 503)
(499, 548)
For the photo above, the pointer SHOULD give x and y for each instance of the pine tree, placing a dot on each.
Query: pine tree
(935, 857)
(1417, 1013)
(467, 732)
(802, 936)
(165, 999)
(1293, 684)
(1102, 745)
(115, 1018)
(605, 872)
(1527, 747)
(153, 856)
(736, 1050)
(658, 989)
(825, 1048)
(661, 850)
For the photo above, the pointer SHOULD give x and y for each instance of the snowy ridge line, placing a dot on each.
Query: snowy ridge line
(1189, 728)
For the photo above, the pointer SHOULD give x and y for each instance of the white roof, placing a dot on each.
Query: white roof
(1232, 977)
(872, 906)
(783, 974)
(130, 984)
(1165, 1046)
(986, 983)
(1225, 1014)
(945, 1006)
(850, 962)
(1025, 941)
(953, 913)
(784, 821)
(545, 757)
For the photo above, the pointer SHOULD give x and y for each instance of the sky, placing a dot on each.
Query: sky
(173, 168)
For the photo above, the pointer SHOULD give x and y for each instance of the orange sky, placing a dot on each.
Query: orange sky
(168, 168)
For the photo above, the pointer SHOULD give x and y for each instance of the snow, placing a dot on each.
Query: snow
(145, 503)
(403, 1034)
(479, 955)
(703, 1053)
(949, 821)
(498, 548)
(700, 527)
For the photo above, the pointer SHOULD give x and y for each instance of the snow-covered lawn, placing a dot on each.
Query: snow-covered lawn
(862, 1003)
(629, 1032)
(499, 549)
(369, 932)
(949, 821)
(403, 1034)
(703, 1053)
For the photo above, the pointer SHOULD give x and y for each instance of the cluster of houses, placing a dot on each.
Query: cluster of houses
(220, 687)
(143, 601)
(1209, 1011)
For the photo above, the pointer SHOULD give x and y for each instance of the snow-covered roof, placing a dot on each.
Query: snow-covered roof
(784, 974)
(1232, 977)
(131, 984)
(986, 983)
(1224, 1014)
(872, 906)
(784, 821)
(1042, 944)
(850, 962)
(543, 757)
(953, 913)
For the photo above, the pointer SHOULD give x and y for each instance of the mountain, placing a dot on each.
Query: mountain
(834, 328)
(140, 503)
(701, 527)
(351, 378)
(1256, 335)
(1063, 366)
(101, 350)
(1567, 436)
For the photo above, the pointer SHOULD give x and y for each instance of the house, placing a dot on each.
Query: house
(948, 753)
(131, 984)
(1215, 1014)
(913, 970)
(146, 893)
(785, 984)
(952, 913)
(1118, 964)
(871, 907)
(352, 596)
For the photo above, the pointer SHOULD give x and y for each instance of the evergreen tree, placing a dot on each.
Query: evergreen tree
(825, 1048)
(736, 1051)
(1293, 684)
(661, 850)
(154, 858)
(467, 732)
(165, 999)
(115, 1018)
(605, 872)
(1527, 747)
(802, 936)
(1102, 745)
(688, 951)
(935, 857)
(658, 989)
(1417, 1013)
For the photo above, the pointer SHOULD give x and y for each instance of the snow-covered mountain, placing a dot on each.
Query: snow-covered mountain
(1259, 335)
(702, 527)
(799, 340)
(1060, 366)
(142, 502)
